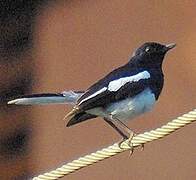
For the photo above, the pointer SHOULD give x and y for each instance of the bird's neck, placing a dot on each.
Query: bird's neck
(140, 64)
(155, 70)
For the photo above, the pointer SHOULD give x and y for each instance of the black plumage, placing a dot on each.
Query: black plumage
(148, 57)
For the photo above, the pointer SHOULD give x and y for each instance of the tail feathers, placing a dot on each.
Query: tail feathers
(46, 98)
(69, 97)
(80, 117)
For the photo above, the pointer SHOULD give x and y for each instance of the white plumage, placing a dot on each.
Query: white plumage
(115, 85)
(94, 94)
(128, 108)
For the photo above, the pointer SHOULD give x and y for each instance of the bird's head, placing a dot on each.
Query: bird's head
(152, 53)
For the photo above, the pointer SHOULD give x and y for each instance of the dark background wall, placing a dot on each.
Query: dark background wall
(17, 20)
(58, 45)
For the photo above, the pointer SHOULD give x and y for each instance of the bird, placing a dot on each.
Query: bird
(122, 95)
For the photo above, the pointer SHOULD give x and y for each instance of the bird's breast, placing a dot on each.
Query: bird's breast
(132, 106)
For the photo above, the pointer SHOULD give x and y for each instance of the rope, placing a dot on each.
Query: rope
(114, 149)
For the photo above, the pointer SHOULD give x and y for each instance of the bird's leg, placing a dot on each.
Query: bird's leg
(116, 128)
(125, 137)
(122, 129)
(131, 135)
(128, 131)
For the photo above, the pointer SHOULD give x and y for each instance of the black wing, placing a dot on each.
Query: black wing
(128, 90)
(152, 78)
(104, 98)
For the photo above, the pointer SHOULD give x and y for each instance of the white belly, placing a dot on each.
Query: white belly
(132, 107)
(129, 108)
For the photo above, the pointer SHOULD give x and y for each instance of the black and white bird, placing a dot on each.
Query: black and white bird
(123, 94)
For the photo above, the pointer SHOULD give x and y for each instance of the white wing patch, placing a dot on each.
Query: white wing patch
(95, 94)
(117, 84)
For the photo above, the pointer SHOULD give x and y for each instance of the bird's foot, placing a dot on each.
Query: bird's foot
(142, 147)
(121, 141)
(129, 143)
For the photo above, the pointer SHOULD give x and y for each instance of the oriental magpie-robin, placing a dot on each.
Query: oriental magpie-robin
(123, 94)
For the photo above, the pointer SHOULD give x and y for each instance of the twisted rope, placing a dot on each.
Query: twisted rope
(114, 149)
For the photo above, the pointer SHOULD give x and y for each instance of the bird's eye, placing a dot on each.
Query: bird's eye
(147, 49)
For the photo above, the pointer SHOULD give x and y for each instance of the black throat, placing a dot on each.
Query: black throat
(156, 82)
(154, 66)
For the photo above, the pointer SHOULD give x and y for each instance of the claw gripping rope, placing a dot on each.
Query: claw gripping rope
(114, 149)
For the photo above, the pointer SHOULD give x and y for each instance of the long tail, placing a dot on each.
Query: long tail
(66, 97)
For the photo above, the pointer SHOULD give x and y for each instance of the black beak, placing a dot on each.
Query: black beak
(170, 46)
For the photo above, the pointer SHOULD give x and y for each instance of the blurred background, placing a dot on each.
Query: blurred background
(51, 46)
